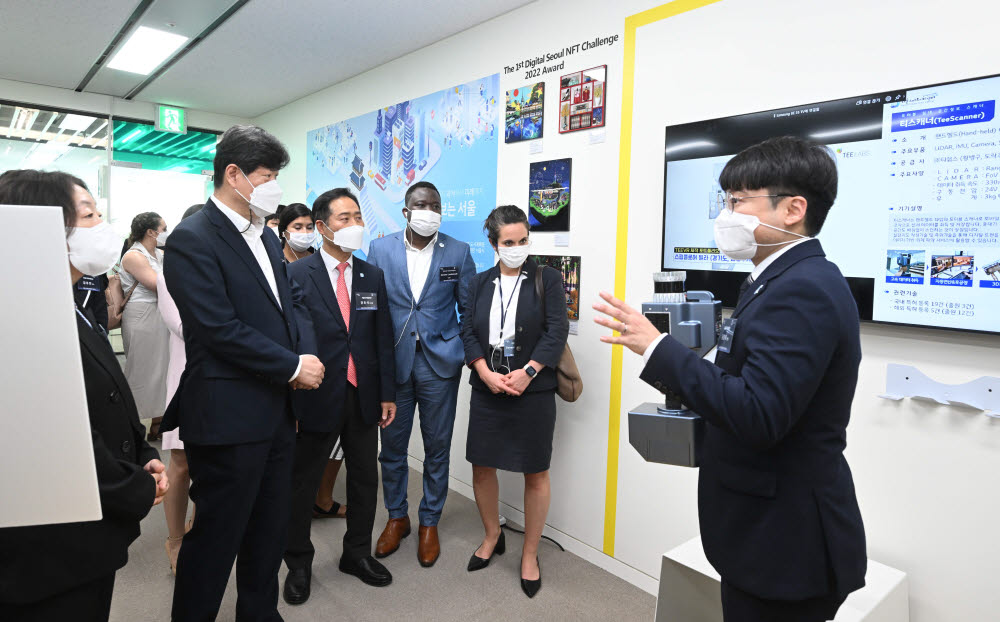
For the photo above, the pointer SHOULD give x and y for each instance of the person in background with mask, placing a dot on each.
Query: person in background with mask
(175, 505)
(248, 346)
(67, 571)
(513, 349)
(295, 230)
(349, 309)
(144, 335)
(425, 272)
(779, 517)
(271, 220)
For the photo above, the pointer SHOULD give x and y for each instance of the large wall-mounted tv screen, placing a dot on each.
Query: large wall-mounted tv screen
(916, 224)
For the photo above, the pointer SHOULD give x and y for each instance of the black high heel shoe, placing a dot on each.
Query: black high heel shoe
(478, 563)
(531, 588)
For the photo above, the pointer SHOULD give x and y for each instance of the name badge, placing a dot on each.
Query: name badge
(88, 284)
(726, 334)
(365, 301)
(448, 274)
(508, 348)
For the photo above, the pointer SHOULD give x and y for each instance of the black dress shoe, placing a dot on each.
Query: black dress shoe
(297, 586)
(368, 570)
(531, 587)
(478, 563)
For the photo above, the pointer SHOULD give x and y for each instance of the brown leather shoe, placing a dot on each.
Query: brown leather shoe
(429, 547)
(395, 530)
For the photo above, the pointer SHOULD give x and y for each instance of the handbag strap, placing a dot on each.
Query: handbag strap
(540, 288)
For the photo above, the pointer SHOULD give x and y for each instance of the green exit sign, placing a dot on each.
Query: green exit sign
(171, 119)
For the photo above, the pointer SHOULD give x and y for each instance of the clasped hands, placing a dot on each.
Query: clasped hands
(513, 383)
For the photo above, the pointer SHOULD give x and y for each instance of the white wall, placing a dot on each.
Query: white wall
(23, 92)
(925, 475)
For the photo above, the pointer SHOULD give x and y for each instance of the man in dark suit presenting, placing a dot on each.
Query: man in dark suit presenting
(776, 502)
(349, 308)
(245, 354)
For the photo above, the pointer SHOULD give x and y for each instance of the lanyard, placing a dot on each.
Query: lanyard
(504, 310)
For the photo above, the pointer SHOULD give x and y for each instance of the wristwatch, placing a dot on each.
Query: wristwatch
(528, 369)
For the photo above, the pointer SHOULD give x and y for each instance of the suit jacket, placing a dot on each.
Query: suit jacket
(41, 561)
(537, 338)
(242, 347)
(97, 302)
(776, 501)
(432, 315)
(369, 341)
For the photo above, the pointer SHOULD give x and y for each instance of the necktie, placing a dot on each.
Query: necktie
(344, 300)
(743, 287)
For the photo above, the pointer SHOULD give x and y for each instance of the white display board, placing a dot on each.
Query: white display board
(47, 472)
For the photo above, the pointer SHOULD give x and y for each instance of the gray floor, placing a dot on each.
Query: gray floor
(572, 588)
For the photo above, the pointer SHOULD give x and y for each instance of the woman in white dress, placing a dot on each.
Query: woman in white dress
(175, 503)
(144, 334)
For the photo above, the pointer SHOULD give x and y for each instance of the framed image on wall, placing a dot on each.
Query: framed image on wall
(582, 99)
(525, 108)
(569, 266)
(549, 195)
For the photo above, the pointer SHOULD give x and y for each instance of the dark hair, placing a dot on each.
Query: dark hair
(248, 147)
(502, 216)
(31, 187)
(191, 211)
(418, 186)
(140, 225)
(274, 216)
(787, 165)
(321, 206)
(291, 212)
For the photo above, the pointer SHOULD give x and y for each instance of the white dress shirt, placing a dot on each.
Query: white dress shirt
(332, 263)
(418, 264)
(511, 295)
(251, 232)
(754, 275)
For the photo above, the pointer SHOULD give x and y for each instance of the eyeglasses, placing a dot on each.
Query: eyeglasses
(726, 200)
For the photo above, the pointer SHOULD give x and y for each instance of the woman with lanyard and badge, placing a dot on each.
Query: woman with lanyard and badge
(514, 347)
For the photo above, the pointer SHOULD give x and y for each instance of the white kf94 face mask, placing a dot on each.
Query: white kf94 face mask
(94, 250)
(425, 222)
(734, 234)
(349, 239)
(301, 242)
(265, 198)
(514, 256)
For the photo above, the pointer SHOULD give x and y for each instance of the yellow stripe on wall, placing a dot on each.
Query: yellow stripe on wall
(632, 23)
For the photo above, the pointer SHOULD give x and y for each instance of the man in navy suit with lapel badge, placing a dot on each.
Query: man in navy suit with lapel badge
(347, 303)
(776, 502)
(248, 345)
(426, 271)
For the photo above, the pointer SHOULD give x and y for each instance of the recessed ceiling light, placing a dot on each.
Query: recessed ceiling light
(145, 50)
(76, 122)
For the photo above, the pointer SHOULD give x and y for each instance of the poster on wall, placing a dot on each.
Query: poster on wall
(569, 267)
(549, 195)
(582, 99)
(524, 116)
(449, 138)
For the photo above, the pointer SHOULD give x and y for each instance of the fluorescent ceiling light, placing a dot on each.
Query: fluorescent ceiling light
(690, 145)
(145, 50)
(131, 135)
(76, 122)
(847, 130)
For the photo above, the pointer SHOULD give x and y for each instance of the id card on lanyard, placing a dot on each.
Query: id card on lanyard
(508, 344)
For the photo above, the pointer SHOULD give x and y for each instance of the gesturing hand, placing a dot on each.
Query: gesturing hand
(636, 331)
(311, 374)
(388, 414)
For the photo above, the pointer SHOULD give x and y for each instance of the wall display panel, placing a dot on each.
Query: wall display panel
(524, 118)
(583, 99)
(569, 267)
(549, 195)
(916, 224)
(449, 138)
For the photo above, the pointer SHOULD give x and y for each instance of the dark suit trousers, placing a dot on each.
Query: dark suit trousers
(312, 451)
(739, 606)
(242, 494)
(90, 602)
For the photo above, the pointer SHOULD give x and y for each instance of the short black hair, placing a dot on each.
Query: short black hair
(787, 165)
(248, 147)
(321, 206)
(502, 216)
(191, 211)
(291, 212)
(418, 186)
(31, 187)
